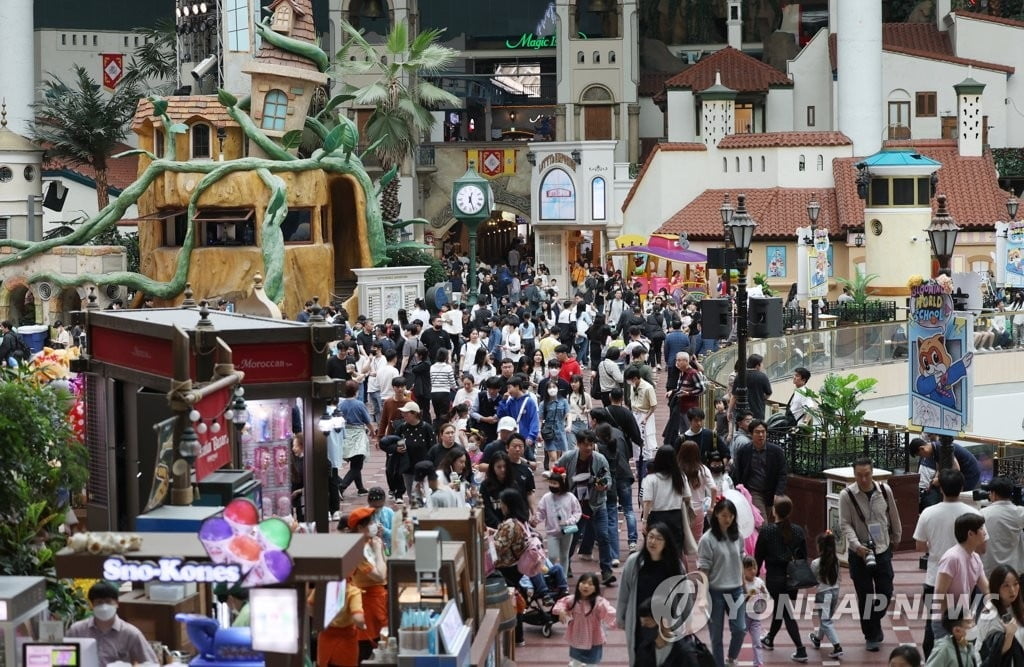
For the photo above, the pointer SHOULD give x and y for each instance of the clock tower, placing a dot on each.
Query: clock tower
(472, 200)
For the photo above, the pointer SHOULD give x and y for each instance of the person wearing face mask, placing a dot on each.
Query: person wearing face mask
(370, 577)
(237, 599)
(554, 411)
(553, 378)
(116, 639)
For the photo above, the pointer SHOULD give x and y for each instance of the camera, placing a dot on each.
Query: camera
(204, 67)
(869, 558)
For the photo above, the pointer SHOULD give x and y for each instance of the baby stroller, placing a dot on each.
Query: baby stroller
(538, 606)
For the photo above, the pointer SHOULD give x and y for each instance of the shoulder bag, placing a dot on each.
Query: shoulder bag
(799, 573)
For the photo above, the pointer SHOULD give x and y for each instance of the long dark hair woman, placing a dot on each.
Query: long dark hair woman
(777, 544)
(598, 335)
(667, 498)
(496, 479)
(510, 541)
(1001, 619)
(656, 561)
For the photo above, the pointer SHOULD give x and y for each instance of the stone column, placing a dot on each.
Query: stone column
(633, 138)
(559, 122)
(577, 125)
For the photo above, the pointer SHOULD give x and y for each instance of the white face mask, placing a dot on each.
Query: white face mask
(372, 530)
(552, 391)
(104, 612)
(972, 634)
(553, 372)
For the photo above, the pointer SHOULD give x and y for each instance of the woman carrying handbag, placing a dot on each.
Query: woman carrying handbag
(778, 545)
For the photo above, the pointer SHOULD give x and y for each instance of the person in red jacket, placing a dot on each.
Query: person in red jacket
(570, 366)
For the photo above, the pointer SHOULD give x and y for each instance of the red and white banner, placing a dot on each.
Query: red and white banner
(113, 69)
(215, 445)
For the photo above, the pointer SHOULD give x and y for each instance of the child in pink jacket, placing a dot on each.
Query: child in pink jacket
(585, 613)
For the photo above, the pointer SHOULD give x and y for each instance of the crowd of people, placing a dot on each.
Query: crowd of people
(479, 405)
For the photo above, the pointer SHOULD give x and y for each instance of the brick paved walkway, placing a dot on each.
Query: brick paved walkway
(553, 651)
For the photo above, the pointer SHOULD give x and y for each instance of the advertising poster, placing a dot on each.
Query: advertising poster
(776, 255)
(1014, 258)
(941, 383)
(818, 270)
(214, 440)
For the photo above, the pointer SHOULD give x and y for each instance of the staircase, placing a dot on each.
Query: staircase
(343, 291)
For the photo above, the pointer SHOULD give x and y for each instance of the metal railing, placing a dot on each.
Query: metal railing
(863, 313)
(810, 453)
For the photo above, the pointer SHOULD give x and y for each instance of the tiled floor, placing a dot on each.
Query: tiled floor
(541, 652)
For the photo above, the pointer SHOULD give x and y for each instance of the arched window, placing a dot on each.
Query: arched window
(762, 163)
(750, 163)
(737, 164)
(611, 56)
(597, 207)
(158, 143)
(557, 196)
(802, 164)
(275, 110)
(821, 162)
(597, 57)
(200, 140)
(725, 164)
(580, 58)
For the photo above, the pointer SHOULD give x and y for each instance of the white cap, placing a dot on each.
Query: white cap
(507, 424)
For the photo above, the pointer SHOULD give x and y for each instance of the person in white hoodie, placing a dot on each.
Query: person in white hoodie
(558, 513)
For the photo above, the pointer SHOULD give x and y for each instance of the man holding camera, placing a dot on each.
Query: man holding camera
(934, 534)
(871, 525)
(1004, 522)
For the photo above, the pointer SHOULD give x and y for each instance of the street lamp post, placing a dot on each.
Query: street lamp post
(1011, 207)
(813, 209)
(740, 227)
(942, 233)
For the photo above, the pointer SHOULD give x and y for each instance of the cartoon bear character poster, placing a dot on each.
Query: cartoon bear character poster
(1014, 255)
(941, 387)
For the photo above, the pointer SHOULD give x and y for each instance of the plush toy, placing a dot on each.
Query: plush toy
(51, 364)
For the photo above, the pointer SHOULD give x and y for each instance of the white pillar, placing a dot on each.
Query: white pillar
(970, 119)
(859, 51)
(942, 9)
(718, 112)
(17, 86)
(734, 23)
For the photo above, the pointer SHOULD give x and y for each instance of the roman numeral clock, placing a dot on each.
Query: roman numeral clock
(472, 201)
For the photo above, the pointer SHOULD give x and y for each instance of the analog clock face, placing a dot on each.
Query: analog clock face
(469, 199)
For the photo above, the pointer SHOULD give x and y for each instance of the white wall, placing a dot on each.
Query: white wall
(993, 42)
(20, 62)
(681, 116)
(779, 110)
(788, 169)
(812, 84)
(667, 186)
(652, 120)
(14, 194)
(913, 75)
(80, 202)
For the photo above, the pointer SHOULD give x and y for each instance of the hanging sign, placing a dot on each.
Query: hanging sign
(214, 442)
(941, 384)
(528, 40)
(113, 69)
(1013, 256)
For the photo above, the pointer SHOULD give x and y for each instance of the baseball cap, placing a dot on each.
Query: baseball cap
(357, 515)
(507, 424)
(411, 406)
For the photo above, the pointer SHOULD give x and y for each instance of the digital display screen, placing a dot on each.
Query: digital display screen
(51, 655)
(274, 619)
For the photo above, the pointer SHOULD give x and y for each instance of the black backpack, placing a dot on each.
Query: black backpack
(19, 350)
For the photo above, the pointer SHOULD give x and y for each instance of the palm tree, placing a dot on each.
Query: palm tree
(81, 124)
(401, 100)
(155, 60)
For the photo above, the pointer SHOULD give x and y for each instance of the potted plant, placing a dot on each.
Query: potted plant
(837, 414)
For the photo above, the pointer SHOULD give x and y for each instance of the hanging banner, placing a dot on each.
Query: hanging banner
(164, 461)
(492, 162)
(113, 69)
(941, 384)
(214, 442)
(1013, 255)
(817, 272)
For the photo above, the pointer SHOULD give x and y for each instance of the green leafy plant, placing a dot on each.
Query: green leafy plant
(858, 286)
(836, 406)
(418, 257)
(761, 280)
(43, 466)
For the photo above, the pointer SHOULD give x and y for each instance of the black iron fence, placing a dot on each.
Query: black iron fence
(862, 313)
(794, 318)
(810, 453)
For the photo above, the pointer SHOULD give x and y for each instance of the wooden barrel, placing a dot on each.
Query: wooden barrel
(496, 596)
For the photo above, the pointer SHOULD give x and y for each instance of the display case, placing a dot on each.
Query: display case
(266, 441)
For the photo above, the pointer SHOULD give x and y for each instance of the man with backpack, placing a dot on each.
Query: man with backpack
(13, 349)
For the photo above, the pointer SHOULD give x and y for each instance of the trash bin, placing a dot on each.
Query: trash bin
(34, 336)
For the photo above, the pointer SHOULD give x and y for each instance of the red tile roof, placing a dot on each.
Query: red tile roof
(777, 211)
(970, 184)
(784, 139)
(653, 83)
(739, 71)
(121, 172)
(921, 40)
(182, 108)
(666, 146)
(991, 19)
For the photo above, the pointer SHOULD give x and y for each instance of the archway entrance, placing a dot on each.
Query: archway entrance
(68, 301)
(20, 307)
(347, 232)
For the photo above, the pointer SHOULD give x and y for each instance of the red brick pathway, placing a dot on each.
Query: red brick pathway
(553, 651)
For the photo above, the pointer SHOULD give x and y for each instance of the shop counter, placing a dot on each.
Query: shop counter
(454, 575)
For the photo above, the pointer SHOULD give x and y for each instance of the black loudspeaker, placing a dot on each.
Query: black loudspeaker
(765, 317)
(715, 318)
(721, 258)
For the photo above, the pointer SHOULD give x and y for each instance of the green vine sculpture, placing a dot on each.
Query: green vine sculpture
(337, 156)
